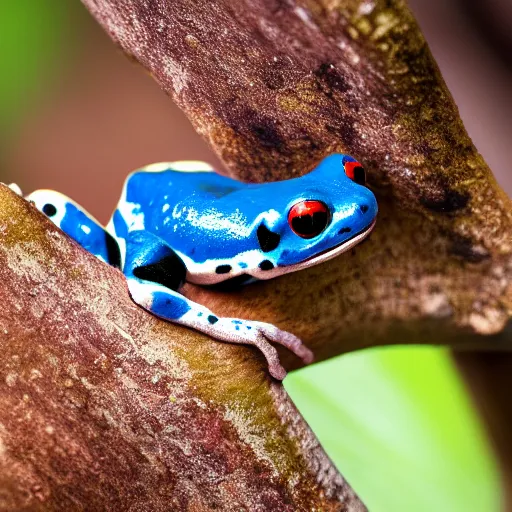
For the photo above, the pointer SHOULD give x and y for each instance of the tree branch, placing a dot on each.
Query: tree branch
(105, 407)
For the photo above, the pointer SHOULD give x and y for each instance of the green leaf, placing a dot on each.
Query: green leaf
(399, 425)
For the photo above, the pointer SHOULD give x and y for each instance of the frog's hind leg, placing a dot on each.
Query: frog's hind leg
(78, 224)
(155, 273)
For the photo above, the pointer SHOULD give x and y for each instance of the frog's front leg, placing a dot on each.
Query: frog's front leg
(154, 273)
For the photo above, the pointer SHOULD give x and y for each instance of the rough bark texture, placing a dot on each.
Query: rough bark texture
(105, 407)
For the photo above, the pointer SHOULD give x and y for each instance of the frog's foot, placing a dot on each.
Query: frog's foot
(259, 334)
(15, 188)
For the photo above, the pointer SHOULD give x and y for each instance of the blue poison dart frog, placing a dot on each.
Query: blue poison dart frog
(178, 222)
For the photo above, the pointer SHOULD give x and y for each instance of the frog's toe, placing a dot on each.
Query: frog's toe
(274, 365)
(246, 332)
(15, 188)
(288, 340)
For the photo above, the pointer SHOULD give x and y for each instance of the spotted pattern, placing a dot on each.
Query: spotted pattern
(49, 209)
(266, 265)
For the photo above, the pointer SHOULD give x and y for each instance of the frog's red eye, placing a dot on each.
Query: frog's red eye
(355, 171)
(309, 218)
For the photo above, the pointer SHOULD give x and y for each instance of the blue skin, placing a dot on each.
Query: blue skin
(171, 226)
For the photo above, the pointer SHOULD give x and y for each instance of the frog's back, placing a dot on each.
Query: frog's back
(172, 182)
(154, 195)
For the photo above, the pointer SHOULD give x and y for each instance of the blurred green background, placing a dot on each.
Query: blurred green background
(397, 422)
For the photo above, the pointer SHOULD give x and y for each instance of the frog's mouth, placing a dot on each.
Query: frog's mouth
(323, 256)
(341, 248)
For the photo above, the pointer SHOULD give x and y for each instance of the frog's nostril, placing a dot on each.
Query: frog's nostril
(364, 208)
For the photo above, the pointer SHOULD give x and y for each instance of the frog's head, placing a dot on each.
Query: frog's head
(329, 211)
